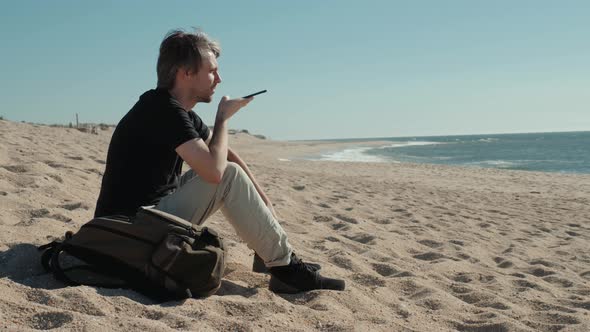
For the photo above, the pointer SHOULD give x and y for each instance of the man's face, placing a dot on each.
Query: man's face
(202, 83)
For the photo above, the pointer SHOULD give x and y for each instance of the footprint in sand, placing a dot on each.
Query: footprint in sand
(484, 225)
(502, 263)
(429, 256)
(559, 281)
(430, 243)
(381, 221)
(153, 314)
(172, 321)
(74, 206)
(468, 277)
(539, 272)
(524, 285)
(462, 277)
(340, 226)
(482, 300)
(548, 321)
(54, 164)
(56, 177)
(416, 230)
(543, 306)
(543, 262)
(322, 218)
(49, 320)
(430, 304)
(389, 271)
(457, 242)
(482, 327)
(347, 219)
(509, 249)
(384, 269)
(362, 238)
(16, 168)
(72, 299)
(577, 304)
(340, 197)
(368, 280)
(343, 262)
(460, 289)
(38, 213)
(422, 296)
(40, 296)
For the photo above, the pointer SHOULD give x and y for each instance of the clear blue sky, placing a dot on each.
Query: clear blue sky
(334, 69)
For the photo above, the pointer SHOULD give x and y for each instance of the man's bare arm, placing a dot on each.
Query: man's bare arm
(210, 160)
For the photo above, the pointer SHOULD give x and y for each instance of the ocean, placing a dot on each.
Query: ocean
(567, 152)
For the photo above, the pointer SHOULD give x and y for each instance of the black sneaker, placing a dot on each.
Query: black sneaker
(300, 277)
(258, 265)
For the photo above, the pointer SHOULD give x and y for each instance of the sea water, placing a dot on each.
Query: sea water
(567, 152)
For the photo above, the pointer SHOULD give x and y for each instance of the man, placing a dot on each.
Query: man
(161, 131)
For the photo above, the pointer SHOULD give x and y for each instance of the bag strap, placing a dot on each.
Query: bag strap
(50, 261)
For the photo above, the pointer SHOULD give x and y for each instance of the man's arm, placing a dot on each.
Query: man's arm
(210, 160)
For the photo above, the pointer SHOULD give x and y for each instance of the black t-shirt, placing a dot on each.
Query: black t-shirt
(142, 164)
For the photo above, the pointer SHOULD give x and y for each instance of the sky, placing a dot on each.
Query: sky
(333, 69)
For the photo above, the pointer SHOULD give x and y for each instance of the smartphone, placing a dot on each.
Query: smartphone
(254, 94)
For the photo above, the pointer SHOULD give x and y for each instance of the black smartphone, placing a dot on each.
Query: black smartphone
(254, 94)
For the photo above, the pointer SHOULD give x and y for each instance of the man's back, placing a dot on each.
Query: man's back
(142, 165)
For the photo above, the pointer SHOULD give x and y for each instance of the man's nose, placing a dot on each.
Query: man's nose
(218, 78)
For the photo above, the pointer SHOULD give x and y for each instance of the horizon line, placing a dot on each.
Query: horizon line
(451, 135)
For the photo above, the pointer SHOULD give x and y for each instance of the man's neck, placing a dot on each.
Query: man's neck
(182, 98)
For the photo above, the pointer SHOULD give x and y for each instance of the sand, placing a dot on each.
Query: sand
(422, 247)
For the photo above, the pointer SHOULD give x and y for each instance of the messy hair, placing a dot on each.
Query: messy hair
(183, 49)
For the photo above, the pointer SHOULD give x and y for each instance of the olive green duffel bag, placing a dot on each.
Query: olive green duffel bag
(156, 253)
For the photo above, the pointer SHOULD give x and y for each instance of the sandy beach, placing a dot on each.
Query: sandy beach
(422, 247)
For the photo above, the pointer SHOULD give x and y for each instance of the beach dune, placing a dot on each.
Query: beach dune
(422, 247)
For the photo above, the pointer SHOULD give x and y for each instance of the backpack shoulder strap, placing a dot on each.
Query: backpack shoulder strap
(50, 262)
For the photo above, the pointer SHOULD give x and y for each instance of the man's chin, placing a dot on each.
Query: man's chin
(205, 99)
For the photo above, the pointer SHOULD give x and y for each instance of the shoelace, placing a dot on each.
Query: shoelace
(300, 265)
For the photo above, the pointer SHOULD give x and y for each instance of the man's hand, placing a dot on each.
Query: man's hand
(228, 107)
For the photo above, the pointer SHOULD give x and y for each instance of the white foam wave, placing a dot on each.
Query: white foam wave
(409, 143)
(354, 155)
(495, 163)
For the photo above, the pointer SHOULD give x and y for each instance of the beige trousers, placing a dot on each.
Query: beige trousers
(195, 200)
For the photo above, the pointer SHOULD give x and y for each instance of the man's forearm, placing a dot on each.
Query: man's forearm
(219, 145)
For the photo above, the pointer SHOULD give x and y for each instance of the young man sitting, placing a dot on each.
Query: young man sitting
(161, 131)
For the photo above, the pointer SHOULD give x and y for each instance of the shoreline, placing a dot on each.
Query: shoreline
(336, 151)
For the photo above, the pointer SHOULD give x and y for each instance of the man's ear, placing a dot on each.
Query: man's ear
(182, 73)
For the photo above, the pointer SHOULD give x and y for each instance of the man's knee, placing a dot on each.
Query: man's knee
(232, 169)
